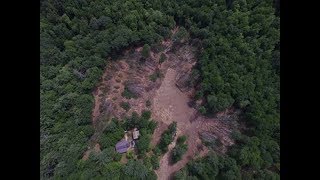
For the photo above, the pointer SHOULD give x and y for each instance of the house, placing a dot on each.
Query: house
(128, 142)
(135, 133)
(122, 146)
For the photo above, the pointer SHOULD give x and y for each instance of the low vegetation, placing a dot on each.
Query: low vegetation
(148, 103)
(146, 127)
(125, 105)
(145, 51)
(163, 57)
(238, 66)
(167, 137)
(179, 150)
(157, 74)
(155, 161)
(127, 93)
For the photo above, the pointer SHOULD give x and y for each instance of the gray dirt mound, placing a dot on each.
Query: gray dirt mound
(136, 87)
(183, 83)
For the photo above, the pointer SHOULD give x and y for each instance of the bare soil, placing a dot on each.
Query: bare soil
(168, 102)
(112, 84)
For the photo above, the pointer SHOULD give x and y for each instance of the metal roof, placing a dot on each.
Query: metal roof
(135, 134)
(122, 146)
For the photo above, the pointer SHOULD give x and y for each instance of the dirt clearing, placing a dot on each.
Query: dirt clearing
(170, 104)
(168, 93)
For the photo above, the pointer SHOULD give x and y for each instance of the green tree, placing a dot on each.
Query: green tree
(180, 175)
(125, 105)
(112, 170)
(167, 137)
(181, 139)
(163, 57)
(145, 51)
(135, 169)
(177, 152)
(143, 143)
(155, 161)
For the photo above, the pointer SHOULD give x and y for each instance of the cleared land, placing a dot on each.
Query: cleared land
(168, 102)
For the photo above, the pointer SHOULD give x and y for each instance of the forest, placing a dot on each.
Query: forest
(238, 66)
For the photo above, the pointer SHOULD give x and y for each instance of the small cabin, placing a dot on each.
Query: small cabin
(135, 134)
(128, 142)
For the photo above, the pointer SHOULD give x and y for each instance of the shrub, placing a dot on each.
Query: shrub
(148, 103)
(167, 137)
(153, 77)
(117, 157)
(163, 57)
(127, 93)
(152, 126)
(180, 175)
(202, 110)
(155, 162)
(125, 105)
(146, 114)
(157, 47)
(157, 74)
(146, 51)
(181, 139)
(157, 151)
(178, 152)
(143, 144)
(129, 155)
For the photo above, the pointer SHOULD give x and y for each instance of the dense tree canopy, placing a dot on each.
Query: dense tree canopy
(239, 66)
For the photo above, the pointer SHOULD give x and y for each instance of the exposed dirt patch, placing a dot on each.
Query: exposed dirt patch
(128, 72)
(95, 149)
(170, 104)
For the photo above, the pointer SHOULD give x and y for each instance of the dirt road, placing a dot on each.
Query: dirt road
(170, 104)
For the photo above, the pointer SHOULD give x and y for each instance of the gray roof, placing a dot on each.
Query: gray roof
(122, 146)
(135, 134)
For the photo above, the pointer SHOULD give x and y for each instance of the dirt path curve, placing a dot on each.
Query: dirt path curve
(170, 104)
